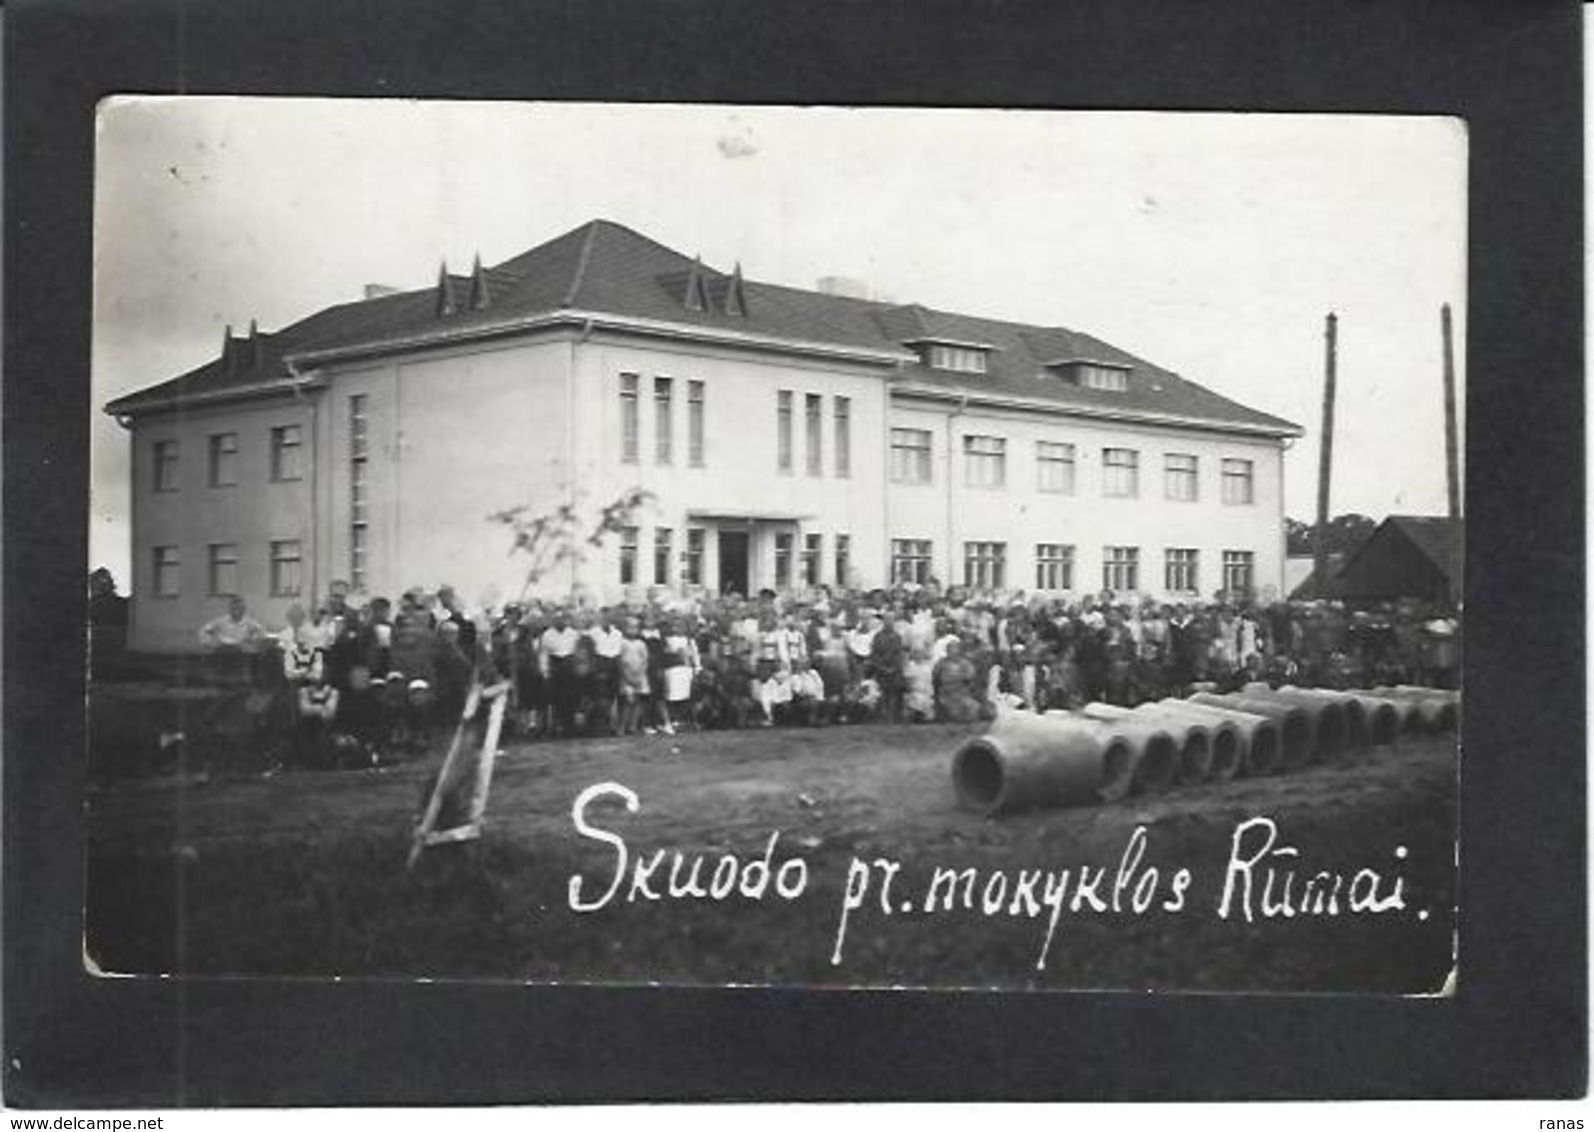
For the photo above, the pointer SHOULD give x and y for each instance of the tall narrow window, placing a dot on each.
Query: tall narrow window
(783, 428)
(1180, 473)
(663, 553)
(628, 552)
(359, 495)
(629, 418)
(694, 556)
(1054, 566)
(167, 571)
(812, 549)
(910, 455)
(910, 560)
(843, 410)
(224, 459)
(1120, 473)
(1054, 465)
(1239, 481)
(783, 560)
(1180, 575)
(1239, 571)
(285, 568)
(815, 430)
(1120, 568)
(984, 461)
(223, 574)
(843, 559)
(985, 565)
(694, 423)
(286, 442)
(663, 419)
(165, 453)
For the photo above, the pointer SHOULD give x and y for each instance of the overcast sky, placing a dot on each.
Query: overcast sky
(1211, 244)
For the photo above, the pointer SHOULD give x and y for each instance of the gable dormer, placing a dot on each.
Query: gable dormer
(1092, 373)
(952, 355)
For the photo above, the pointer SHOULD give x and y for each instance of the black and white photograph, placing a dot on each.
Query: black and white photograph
(728, 545)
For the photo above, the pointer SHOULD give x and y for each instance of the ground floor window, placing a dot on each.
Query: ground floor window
(811, 551)
(166, 571)
(910, 560)
(286, 568)
(1054, 566)
(843, 558)
(1180, 570)
(1120, 568)
(223, 569)
(985, 565)
(1239, 571)
(694, 556)
(783, 560)
(628, 551)
(663, 547)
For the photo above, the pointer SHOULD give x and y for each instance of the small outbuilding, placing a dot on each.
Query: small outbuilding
(1407, 556)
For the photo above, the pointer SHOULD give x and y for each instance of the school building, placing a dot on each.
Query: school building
(788, 437)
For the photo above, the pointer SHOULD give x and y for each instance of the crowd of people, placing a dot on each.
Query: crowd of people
(363, 684)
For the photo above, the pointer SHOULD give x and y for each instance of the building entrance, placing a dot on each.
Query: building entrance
(733, 562)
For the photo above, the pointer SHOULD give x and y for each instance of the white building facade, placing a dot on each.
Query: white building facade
(785, 439)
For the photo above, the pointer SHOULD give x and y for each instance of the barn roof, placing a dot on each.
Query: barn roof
(607, 270)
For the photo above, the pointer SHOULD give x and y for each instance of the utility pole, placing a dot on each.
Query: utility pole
(1325, 462)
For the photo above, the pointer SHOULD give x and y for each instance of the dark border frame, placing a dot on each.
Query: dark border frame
(1518, 1026)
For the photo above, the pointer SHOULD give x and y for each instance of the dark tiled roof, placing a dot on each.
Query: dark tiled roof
(607, 269)
(1431, 534)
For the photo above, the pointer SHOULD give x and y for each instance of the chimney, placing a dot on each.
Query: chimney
(736, 294)
(479, 297)
(257, 346)
(228, 361)
(696, 292)
(445, 291)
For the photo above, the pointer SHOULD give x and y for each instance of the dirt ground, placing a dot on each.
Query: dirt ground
(303, 873)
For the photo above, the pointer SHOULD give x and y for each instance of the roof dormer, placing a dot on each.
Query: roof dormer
(952, 355)
(1092, 373)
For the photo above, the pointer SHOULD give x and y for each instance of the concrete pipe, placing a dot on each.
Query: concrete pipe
(1155, 762)
(1225, 744)
(1297, 735)
(1187, 753)
(1437, 693)
(1026, 761)
(1259, 744)
(1334, 729)
(1357, 730)
(1439, 712)
(1382, 718)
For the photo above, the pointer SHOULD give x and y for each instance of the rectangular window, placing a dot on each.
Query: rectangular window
(1180, 574)
(663, 549)
(694, 556)
(223, 579)
(1180, 474)
(1239, 571)
(165, 478)
(1054, 566)
(1055, 467)
(843, 410)
(959, 359)
(783, 561)
(224, 459)
(1120, 473)
(628, 552)
(629, 418)
(1092, 376)
(167, 571)
(843, 558)
(285, 568)
(815, 429)
(694, 423)
(910, 560)
(812, 549)
(783, 428)
(910, 455)
(359, 501)
(1239, 481)
(285, 447)
(985, 565)
(984, 461)
(1120, 569)
(663, 419)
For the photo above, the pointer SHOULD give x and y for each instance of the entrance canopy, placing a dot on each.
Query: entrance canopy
(748, 516)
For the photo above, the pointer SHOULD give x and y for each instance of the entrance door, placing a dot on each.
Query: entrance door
(733, 562)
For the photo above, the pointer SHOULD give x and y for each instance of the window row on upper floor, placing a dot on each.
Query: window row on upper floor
(986, 459)
(222, 452)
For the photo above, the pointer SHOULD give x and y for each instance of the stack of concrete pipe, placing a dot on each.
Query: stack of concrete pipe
(1106, 752)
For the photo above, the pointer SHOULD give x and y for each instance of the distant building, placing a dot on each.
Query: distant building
(1407, 556)
(790, 437)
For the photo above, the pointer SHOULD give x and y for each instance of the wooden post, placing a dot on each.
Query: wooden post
(1325, 460)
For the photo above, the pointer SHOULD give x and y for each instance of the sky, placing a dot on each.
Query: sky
(1210, 244)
